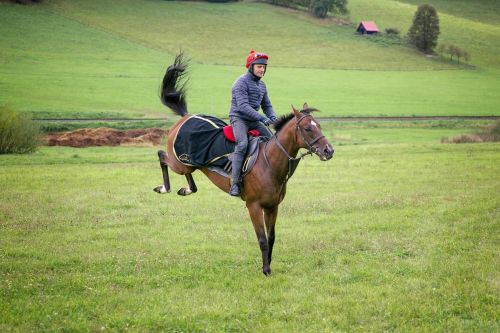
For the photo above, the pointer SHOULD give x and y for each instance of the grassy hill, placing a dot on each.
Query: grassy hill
(472, 25)
(96, 59)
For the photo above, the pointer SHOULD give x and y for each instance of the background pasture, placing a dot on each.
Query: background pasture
(102, 60)
(398, 232)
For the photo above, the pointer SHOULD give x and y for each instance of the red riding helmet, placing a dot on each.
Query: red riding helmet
(256, 58)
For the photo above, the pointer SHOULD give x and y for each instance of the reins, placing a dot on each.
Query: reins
(293, 161)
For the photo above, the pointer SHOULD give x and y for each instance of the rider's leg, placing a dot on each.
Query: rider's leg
(263, 129)
(240, 130)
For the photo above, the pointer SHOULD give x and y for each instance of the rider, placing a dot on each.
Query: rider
(249, 93)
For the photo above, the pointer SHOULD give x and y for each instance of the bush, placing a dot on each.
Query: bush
(392, 32)
(320, 8)
(489, 134)
(18, 133)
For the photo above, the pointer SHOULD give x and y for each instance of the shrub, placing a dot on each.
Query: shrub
(392, 32)
(320, 8)
(489, 134)
(18, 133)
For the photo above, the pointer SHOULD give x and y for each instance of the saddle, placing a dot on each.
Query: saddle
(206, 141)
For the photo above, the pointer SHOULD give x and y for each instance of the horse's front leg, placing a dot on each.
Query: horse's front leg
(270, 215)
(257, 216)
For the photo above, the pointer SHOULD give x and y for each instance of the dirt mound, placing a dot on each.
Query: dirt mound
(102, 136)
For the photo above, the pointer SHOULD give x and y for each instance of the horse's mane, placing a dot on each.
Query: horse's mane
(283, 120)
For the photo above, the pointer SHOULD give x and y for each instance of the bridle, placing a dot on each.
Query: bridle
(310, 148)
(293, 161)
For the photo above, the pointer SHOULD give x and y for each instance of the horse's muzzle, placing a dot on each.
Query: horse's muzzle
(326, 153)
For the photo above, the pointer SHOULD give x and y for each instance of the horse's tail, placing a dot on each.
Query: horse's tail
(172, 91)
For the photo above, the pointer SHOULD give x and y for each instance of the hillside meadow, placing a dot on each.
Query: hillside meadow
(95, 59)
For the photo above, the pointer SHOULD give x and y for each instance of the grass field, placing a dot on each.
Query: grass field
(397, 233)
(96, 59)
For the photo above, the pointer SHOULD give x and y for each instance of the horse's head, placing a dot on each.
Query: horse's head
(310, 135)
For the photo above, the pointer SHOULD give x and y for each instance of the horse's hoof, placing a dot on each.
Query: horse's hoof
(161, 189)
(184, 191)
(267, 272)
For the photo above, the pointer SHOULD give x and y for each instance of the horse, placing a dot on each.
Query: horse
(264, 187)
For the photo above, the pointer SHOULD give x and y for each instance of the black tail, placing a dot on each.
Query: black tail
(172, 91)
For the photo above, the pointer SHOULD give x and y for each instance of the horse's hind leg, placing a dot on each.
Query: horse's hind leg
(165, 188)
(191, 186)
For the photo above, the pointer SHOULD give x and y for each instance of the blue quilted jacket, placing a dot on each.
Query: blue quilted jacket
(249, 93)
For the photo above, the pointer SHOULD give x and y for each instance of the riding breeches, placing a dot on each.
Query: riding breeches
(240, 129)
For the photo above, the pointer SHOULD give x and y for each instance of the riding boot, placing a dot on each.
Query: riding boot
(237, 162)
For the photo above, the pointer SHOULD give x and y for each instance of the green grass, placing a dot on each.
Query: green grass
(96, 59)
(396, 233)
(223, 34)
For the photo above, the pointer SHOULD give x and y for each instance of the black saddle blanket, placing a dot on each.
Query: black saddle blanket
(201, 142)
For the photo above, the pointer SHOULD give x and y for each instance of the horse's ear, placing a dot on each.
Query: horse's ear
(295, 111)
(305, 107)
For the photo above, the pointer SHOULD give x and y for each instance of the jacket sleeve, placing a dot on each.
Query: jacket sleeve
(267, 107)
(240, 95)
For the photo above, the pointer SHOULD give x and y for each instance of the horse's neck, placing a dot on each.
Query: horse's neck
(280, 161)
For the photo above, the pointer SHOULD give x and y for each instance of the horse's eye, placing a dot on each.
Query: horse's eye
(308, 129)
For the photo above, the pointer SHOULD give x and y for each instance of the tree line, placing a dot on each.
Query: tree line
(319, 8)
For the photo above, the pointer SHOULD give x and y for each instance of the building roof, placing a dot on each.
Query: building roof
(369, 26)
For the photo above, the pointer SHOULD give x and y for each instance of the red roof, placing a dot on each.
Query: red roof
(369, 26)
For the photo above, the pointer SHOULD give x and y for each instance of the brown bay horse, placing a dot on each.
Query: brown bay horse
(264, 187)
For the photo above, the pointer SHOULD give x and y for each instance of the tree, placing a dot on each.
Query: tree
(424, 31)
(441, 48)
(451, 50)
(454, 51)
(339, 7)
(320, 8)
(466, 56)
(459, 53)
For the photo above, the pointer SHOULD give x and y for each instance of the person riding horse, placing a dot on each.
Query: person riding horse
(249, 94)
(266, 182)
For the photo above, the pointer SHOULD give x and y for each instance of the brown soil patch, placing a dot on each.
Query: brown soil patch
(102, 136)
